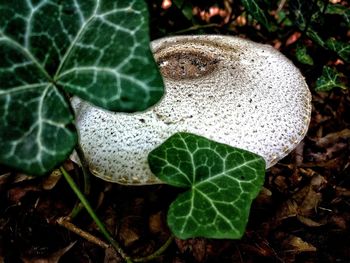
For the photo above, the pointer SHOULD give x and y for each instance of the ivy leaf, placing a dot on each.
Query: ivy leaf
(98, 50)
(315, 37)
(185, 7)
(302, 55)
(283, 18)
(254, 9)
(222, 183)
(306, 13)
(301, 11)
(329, 80)
(36, 128)
(342, 48)
(337, 9)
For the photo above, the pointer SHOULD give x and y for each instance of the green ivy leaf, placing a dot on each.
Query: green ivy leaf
(342, 48)
(186, 8)
(98, 50)
(301, 11)
(223, 181)
(306, 13)
(36, 128)
(254, 9)
(302, 55)
(329, 80)
(337, 9)
(283, 18)
(315, 37)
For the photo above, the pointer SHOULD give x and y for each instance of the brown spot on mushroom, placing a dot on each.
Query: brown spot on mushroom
(186, 65)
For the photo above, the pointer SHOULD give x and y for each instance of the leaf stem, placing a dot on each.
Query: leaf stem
(76, 210)
(196, 27)
(93, 215)
(87, 184)
(85, 168)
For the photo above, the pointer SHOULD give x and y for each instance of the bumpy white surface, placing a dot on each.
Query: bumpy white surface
(231, 90)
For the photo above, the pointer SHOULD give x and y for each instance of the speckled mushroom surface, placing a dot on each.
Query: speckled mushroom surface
(227, 89)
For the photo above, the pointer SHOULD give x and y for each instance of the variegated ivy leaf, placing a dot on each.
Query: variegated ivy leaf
(315, 37)
(338, 9)
(96, 49)
(222, 181)
(254, 9)
(342, 48)
(329, 80)
(302, 55)
(36, 128)
(306, 13)
(186, 8)
(301, 12)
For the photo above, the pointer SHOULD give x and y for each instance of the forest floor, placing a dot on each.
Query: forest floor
(301, 215)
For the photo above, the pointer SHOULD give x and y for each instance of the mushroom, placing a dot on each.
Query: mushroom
(228, 89)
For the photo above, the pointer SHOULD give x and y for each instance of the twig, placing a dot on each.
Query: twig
(281, 5)
(71, 227)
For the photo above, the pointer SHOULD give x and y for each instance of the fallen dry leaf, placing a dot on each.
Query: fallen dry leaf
(111, 256)
(293, 38)
(341, 191)
(331, 138)
(166, 4)
(309, 222)
(295, 244)
(156, 223)
(339, 221)
(128, 232)
(53, 258)
(15, 194)
(195, 246)
(288, 209)
(49, 182)
(304, 202)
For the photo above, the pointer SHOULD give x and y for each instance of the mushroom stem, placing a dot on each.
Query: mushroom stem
(93, 215)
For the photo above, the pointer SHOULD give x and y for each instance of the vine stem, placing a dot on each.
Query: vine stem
(196, 27)
(84, 164)
(86, 174)
(93, 215)
(102, 227)
(84, 167)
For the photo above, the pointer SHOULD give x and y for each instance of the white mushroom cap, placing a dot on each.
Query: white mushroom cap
(227, 89)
